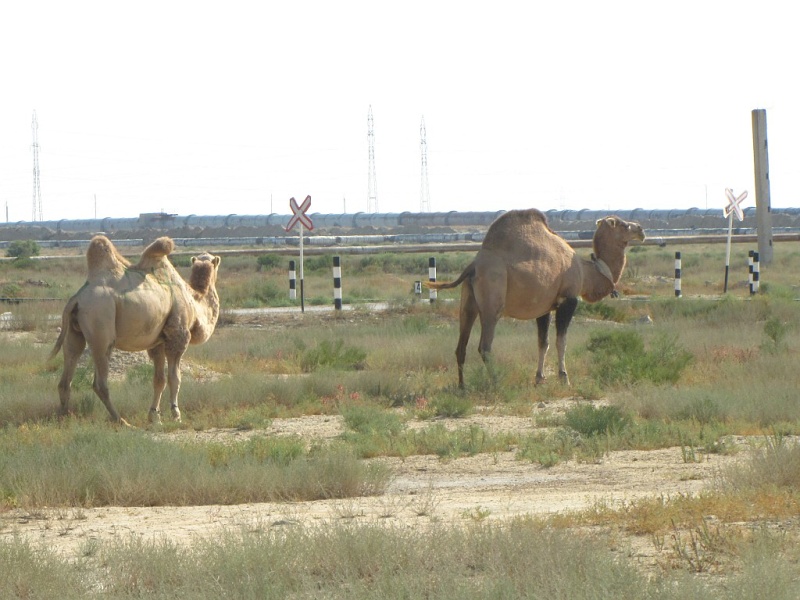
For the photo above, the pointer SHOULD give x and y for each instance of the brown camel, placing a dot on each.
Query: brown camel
(525, 270)
(132, 308)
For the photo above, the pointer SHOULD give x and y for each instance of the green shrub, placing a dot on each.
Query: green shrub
(776, 332)
(317, 263)
(367, 419)
(332, 355)
(589, 420)
(269, 261)
(704, 410)
(620, 357)
(452, 405)
(23, 249)
(608, 311)
(11, 290)
(776, 465)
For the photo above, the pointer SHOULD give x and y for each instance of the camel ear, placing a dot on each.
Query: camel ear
(216, 261)
(194, 258)
(610, 221)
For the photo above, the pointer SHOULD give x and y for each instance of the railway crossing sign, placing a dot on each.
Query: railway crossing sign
(299, 215)
(731, 208)
(733, 204)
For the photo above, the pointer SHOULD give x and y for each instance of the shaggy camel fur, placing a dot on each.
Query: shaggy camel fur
(132, 308)
(525, 270)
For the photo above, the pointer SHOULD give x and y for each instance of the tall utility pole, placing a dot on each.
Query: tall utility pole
(372, 191)
(424, 192)
(763, 203)
(37, 190)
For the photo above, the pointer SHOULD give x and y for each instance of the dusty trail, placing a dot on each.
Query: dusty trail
(425, 489)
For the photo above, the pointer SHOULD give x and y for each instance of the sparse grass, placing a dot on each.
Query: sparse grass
(49, 467)
(379, 371)
(475, 560)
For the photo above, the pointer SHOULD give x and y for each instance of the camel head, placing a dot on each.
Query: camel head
(203, 276)
(617, 231)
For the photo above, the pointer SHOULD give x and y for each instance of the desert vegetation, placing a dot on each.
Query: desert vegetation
(707, 374)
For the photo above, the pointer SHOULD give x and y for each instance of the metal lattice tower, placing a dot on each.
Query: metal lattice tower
(37, 190)
(372, 192)
(424, 192)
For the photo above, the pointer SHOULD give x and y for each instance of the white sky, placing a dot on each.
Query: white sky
(218, 108)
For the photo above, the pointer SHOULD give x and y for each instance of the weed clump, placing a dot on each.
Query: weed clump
(620, 358)
(333, 355)
(589, 420)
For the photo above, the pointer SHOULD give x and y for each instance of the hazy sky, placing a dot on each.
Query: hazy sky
(218, 108)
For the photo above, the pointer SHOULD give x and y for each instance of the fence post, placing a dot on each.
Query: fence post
(292, 281)
(432, 276)
(678, 292)
(750, 271)
(337, 283)
(756, 273)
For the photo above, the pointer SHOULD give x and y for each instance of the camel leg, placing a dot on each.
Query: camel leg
(490, 297)
(177, 341)
(489, 321)
(467, 316)
(74, 344)
(174, 374)
(564, 314)
(159, 359)
(100, 384)
(543, 325)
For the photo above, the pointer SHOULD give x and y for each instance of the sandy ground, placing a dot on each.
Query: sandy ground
(424, 489)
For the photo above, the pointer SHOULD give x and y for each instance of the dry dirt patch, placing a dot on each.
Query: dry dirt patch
(425, 488)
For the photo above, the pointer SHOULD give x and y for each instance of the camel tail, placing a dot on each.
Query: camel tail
(447, 285)
(72, 304)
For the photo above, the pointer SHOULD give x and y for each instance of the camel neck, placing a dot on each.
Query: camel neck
(207, 314)
(612, 257)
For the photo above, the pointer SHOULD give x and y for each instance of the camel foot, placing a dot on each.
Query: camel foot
(176, 413)
(563, 377)
(154, 416)
(540, 379)
(125, 424)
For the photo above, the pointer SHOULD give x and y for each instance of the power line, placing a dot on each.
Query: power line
(372, 184)
(37, 190)
(424, 192)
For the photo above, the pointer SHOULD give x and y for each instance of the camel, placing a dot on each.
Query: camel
(525, 270)
(147, 306)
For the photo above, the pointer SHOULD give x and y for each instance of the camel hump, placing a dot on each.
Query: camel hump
(163, 246)
(103, 258)
(515, 225)
(155, 253)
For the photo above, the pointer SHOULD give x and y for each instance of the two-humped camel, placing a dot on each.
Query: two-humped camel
(525, 270)
(132, 308)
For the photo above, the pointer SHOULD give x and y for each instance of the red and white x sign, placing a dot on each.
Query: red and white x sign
(733, 204)
(300, 214)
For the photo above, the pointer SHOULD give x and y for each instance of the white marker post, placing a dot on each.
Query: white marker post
(731, 208)
(299, 215)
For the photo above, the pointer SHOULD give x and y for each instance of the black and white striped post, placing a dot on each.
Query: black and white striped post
(292, 281)
(678, 275)
(432, 277)
(337, 283)
(750, 270)
(756, 273)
